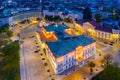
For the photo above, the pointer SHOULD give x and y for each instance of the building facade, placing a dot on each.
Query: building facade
(102, 32)
(76, 57)
(65, 51)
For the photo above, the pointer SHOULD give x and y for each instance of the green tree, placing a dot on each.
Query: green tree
(10, 63)
(114, 15)
(111, 72)
(52, 18)
(10, 33)
(70, 20)
(107, 60)
(98, 17)
(91, 65)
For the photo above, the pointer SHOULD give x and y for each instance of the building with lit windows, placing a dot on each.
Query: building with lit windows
(102, 31)
(64, 50)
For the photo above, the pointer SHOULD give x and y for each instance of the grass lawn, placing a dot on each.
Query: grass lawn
(3, 35)
(4, 42)
(9, 56)
(9, 64)
(112, 72)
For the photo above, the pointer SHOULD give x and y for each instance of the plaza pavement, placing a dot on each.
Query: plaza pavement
(34, 69)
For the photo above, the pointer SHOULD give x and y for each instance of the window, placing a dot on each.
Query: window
(60, 65)
(60, 69)
(69, 65)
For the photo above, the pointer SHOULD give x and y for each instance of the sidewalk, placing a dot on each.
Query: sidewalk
(89, 77)
(22, 65)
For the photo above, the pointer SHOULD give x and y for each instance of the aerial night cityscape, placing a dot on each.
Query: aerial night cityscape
(59, 39)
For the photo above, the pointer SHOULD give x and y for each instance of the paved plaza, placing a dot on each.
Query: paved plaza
(34, 67)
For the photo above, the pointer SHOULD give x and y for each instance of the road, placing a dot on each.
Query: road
(31, 29)
(17, 29)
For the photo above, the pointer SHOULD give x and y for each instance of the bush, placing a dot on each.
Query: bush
(48, 70)
(45, 64)
(43, 58)
(44, 50)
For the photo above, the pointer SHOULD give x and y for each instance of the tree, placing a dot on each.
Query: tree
(91, 65)
(111, 72)
(114, 15)
(107, 60)
(87, 14)
(52, 18)
(10, 63)
(70, 20)
(10, 33)
(98, 17)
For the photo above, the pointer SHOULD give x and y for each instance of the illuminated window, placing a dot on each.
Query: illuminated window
(79, 56)
(60, 59)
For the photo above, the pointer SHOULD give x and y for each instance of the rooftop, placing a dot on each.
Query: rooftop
(101, 27)
(56, 28)
(66, 45)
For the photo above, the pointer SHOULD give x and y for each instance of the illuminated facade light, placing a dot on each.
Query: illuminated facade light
(48, 35)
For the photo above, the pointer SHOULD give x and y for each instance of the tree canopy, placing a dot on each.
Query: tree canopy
(111, 72)
(52, 18)
(98, 17)
(10, 63)
(70, 20)
(114, 15)
(91, 65)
